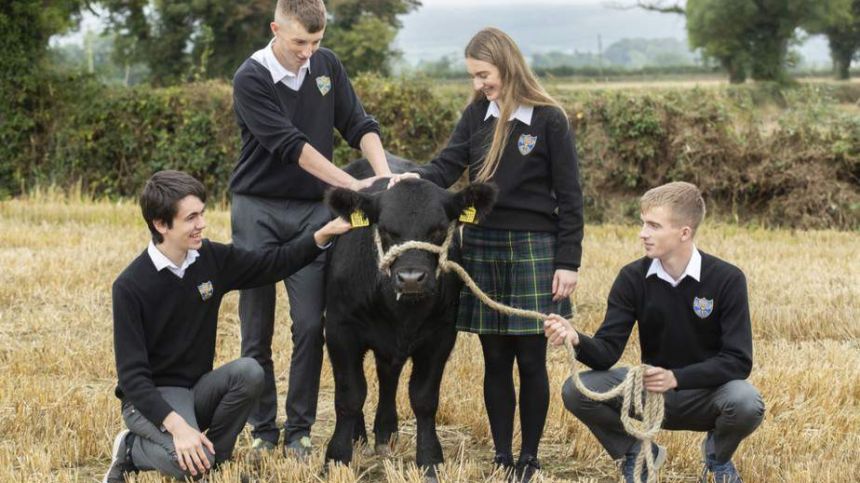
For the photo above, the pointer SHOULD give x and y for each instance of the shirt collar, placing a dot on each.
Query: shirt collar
(694, 269)
(523, 113)
(161, 261)
(266, 56)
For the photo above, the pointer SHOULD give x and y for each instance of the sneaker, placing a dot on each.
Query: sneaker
(629, 464)
(723, 472)
(709, 458)
(504, 462)
(527, 467)
(262, 445)
(260, 448)
(299, 449)
(120, 458)
(726, 473)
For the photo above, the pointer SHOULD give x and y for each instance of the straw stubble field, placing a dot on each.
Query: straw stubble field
(58, 416)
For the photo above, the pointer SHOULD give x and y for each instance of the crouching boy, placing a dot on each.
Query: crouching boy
(183, 417)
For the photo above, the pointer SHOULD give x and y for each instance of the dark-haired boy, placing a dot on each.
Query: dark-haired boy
(165, 306)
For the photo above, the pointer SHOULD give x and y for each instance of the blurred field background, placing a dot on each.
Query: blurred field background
(96, 95)
(58, 416)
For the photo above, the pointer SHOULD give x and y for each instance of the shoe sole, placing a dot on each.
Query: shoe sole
(115, 452)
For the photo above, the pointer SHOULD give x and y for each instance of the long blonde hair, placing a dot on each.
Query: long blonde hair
(519, 87)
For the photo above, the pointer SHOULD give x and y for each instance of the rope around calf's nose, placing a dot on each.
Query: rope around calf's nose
(642, 420)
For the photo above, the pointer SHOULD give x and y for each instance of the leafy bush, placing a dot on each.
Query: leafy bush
(800, 168)
(112, 141)
(414, 119)
(779, 156)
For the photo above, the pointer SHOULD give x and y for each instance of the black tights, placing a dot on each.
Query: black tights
(499, 396)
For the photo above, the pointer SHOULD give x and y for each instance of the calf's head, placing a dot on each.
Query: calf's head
(413, 209)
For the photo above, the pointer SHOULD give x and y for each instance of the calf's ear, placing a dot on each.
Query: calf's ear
(343, 202)
(481, 196)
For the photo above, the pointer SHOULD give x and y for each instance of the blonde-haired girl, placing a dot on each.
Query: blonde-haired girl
(527, 251)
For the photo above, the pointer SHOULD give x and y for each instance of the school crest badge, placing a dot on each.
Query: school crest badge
(205, 290)
(526, 143)
(324, 84)
(703, 307)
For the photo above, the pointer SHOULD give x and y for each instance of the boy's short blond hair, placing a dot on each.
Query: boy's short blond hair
(309, 13)
(684, 201)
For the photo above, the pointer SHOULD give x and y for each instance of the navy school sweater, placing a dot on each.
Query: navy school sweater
(276, 122)
(703, 348)
(538, 190)
(164, 326)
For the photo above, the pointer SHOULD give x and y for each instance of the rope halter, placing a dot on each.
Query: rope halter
(386, 259)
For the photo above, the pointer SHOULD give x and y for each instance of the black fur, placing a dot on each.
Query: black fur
(363, 312)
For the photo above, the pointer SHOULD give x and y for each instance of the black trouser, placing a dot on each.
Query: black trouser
(219, 402)
(262, 222)
(732, 411)
(529, 351)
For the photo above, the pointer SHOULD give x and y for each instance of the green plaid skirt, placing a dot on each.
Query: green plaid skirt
(514, 268)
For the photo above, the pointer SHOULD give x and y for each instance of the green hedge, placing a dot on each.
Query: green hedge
(778, 156)
(793, 165)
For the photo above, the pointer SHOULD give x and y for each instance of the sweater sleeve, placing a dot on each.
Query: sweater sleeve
(255, 105)
(734, 360)
(350, 119)
(603, 350)
(447, 167)
(132, 360)
(565, 184)
(241, 269)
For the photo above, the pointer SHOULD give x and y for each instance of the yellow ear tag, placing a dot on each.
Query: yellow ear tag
(468, 215)
(358, 220)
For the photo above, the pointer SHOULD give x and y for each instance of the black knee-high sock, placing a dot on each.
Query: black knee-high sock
(534, 390)
(499, 395)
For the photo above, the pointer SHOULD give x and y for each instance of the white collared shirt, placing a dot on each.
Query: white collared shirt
(293, 80)
(523, 113)
(161, 261)
(694, 269)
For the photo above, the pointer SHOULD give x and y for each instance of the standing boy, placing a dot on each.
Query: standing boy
(288, 98)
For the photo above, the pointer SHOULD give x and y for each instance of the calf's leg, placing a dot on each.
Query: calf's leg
(350, 390)
(428, 364)
(385, 422)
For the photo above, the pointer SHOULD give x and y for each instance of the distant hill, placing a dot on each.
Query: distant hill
(433, 32)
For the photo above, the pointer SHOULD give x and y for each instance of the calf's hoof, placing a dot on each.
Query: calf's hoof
(383, 450)
(430, 475)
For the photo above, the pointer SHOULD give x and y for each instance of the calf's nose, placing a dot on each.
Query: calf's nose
(411, 281)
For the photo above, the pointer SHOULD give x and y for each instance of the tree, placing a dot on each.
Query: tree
(179, 40)
(157, 34)
(637, 53)
(183, 39)
(25, 28)
(361, 32)
(237, 29)
(720, 29)
(773, 27)
(840, 22)
(26, 80)
(745, 36)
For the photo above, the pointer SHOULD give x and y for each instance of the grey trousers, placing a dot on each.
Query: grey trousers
(219, 404)
(731, 411)
(264, 222)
